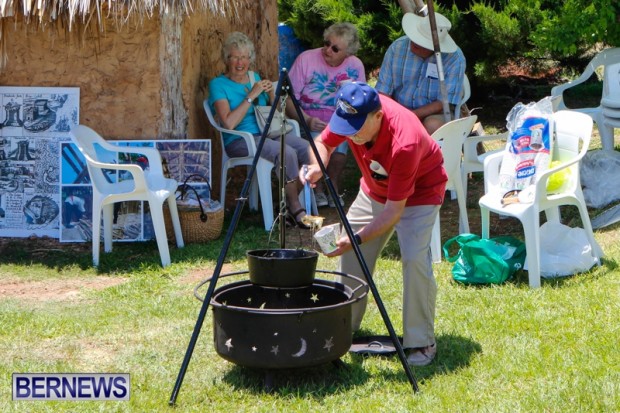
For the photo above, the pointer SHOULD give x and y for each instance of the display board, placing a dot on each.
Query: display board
(33, 123)
(132, 221)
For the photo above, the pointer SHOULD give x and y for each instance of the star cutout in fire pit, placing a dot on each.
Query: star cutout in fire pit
(314, 298)
(329, 344)
(229, 344)
(275, 350)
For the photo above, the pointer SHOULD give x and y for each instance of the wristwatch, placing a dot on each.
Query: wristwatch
(358, 239)
(249, 100)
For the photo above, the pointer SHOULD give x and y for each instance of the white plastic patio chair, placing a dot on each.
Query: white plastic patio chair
(572, 131)
(609, 59)
(474, 161)
(465, 95)
(261, 182)
(262, 175)
(147, 185)
(451, 137)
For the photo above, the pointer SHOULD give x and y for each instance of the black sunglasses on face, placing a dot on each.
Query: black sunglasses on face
(334, 48)
(378, 177)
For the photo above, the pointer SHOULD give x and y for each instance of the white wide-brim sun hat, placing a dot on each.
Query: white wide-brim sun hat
(418, 30)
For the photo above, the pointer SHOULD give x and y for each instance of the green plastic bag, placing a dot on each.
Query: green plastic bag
(485, 261)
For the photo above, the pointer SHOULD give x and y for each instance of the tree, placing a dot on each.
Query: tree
(490, 32)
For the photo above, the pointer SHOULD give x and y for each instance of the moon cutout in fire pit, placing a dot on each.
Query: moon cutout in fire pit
(302, 350)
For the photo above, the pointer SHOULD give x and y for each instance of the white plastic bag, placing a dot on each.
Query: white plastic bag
(529, 145)
(599, 170)
(564, 250)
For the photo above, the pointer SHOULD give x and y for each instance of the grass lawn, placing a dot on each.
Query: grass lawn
(502, 348)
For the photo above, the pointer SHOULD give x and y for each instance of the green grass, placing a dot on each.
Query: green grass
(501, 348)
(505, 348)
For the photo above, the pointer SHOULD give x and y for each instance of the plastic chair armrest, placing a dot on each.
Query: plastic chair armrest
(470, 151)
(492, 165)
(135, 170)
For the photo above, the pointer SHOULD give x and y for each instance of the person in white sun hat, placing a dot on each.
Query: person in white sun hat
(409, 72)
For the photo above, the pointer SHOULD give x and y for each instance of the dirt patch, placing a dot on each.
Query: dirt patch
(54, 290)
(196, 276)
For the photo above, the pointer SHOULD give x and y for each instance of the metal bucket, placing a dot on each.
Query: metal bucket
(282, 268)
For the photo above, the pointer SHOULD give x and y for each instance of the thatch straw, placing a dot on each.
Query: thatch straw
(91, 15)
(72, 10)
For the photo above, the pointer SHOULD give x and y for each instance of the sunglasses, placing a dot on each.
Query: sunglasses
(329, 44)
(378, 177)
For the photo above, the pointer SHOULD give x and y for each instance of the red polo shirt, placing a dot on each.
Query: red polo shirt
(412, 159)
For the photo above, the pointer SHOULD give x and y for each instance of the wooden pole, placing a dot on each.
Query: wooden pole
(412, 6)
(418, 7)
(442, 82)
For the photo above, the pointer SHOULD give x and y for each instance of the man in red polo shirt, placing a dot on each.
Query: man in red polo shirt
(402, 188)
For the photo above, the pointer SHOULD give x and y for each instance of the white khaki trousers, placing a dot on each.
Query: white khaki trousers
(419, 285)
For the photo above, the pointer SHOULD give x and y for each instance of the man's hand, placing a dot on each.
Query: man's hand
(310, 173)
(343, 245)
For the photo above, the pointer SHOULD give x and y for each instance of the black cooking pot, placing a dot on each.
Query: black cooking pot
(273, 328)
(284, 268)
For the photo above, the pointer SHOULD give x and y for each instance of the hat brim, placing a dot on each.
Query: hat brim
(346, 126)
(412, 24)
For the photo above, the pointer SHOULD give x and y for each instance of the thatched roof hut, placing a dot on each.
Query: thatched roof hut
(142, 66)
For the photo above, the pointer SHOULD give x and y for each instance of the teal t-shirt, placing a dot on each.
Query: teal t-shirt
(235, 93)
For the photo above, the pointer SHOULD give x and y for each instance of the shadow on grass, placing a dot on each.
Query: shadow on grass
(318, 381)
(453, 353)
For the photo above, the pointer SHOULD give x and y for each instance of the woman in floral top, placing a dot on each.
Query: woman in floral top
(316, 75)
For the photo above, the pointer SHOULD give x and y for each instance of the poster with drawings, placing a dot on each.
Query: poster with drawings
(131, 220)
(33, 123)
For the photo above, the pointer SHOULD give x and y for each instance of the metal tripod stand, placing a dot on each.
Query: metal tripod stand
(284, 88)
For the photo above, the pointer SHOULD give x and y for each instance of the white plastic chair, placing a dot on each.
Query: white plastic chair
(610, 60)
(149, 185)
(451, 137)
(262, 176)
(261, 182)
(572, 131)
(472, 160)
(465, 95)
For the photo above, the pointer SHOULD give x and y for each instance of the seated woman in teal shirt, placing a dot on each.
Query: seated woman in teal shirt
(232, 97)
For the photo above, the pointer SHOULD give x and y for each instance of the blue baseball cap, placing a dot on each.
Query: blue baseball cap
(355, 100)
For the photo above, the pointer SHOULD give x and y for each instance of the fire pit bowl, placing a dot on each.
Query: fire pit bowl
(273, 328)
(282, 268)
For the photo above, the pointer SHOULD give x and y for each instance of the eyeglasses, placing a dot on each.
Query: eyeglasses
(378, 177)
(329, 44)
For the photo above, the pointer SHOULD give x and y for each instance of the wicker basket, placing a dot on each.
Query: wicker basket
(197, 224)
